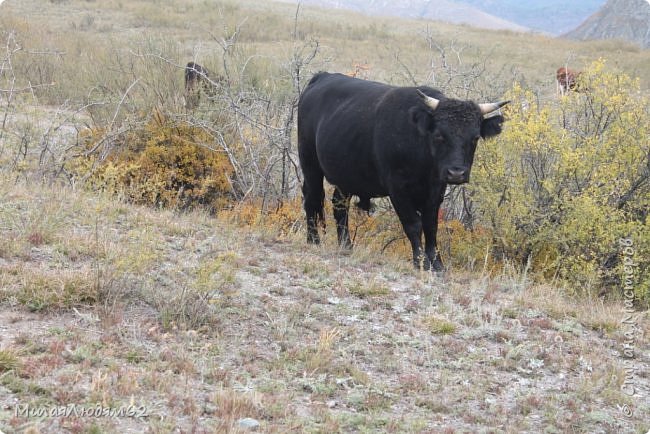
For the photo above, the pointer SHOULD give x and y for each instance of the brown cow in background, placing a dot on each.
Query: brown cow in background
(567, 80)
(197, 80)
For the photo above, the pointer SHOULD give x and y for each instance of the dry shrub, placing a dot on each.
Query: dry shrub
(381, 232)
(200, 303)
(9, 360)
(283, 218)
(165, 164)
(471, 248)
(233, 405)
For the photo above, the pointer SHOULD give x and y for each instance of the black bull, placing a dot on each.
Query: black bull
(373, 140)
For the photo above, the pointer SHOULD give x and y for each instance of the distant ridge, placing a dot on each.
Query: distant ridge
(554, 17)
(628, 20)
(441, 10)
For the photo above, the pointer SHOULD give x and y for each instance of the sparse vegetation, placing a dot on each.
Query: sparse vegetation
(155, 256)
(242, 346)
(369, 289)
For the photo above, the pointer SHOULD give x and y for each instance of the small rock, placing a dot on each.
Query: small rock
(334, 300)
(344, 383)
(210, 409)
(412, 306)
(303, 412)
(248, 423)
(331, 403)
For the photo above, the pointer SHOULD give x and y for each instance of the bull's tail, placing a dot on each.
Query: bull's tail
(313, 192)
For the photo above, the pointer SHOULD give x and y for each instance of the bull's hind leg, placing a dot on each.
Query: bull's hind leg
(314, 195)
(341, 205)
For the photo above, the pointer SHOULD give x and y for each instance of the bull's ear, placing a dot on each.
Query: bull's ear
(422, 119)
(491, 126)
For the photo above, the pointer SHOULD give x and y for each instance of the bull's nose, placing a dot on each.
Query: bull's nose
(455, 172)
(456, 175)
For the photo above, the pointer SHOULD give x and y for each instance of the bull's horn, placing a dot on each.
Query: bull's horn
(490, 107)
(431, 102)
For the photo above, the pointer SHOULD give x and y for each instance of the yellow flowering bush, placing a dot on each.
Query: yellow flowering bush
(568, 179)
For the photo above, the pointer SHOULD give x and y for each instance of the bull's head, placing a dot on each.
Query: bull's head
(454, 128)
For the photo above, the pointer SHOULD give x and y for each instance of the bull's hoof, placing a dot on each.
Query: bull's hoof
(438, 273)
(421, 264)
(366, 205)
(346, 245)
(436, 267)
(313, 239)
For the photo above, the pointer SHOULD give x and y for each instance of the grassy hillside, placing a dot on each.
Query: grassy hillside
(98, 34)
(202, 320)
(203, 324)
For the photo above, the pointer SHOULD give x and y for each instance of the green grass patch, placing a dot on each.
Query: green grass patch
(368, 289)
(57, 289)
(8, 360)
(439, 326)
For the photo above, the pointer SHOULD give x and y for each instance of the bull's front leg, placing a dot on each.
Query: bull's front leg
(430, 228)
(412, 224)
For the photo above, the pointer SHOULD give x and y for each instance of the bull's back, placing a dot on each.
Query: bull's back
(336, 120)
(333, 92)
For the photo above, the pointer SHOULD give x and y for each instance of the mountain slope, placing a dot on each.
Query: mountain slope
(618, 19)
(441, 10)
(550, 16)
